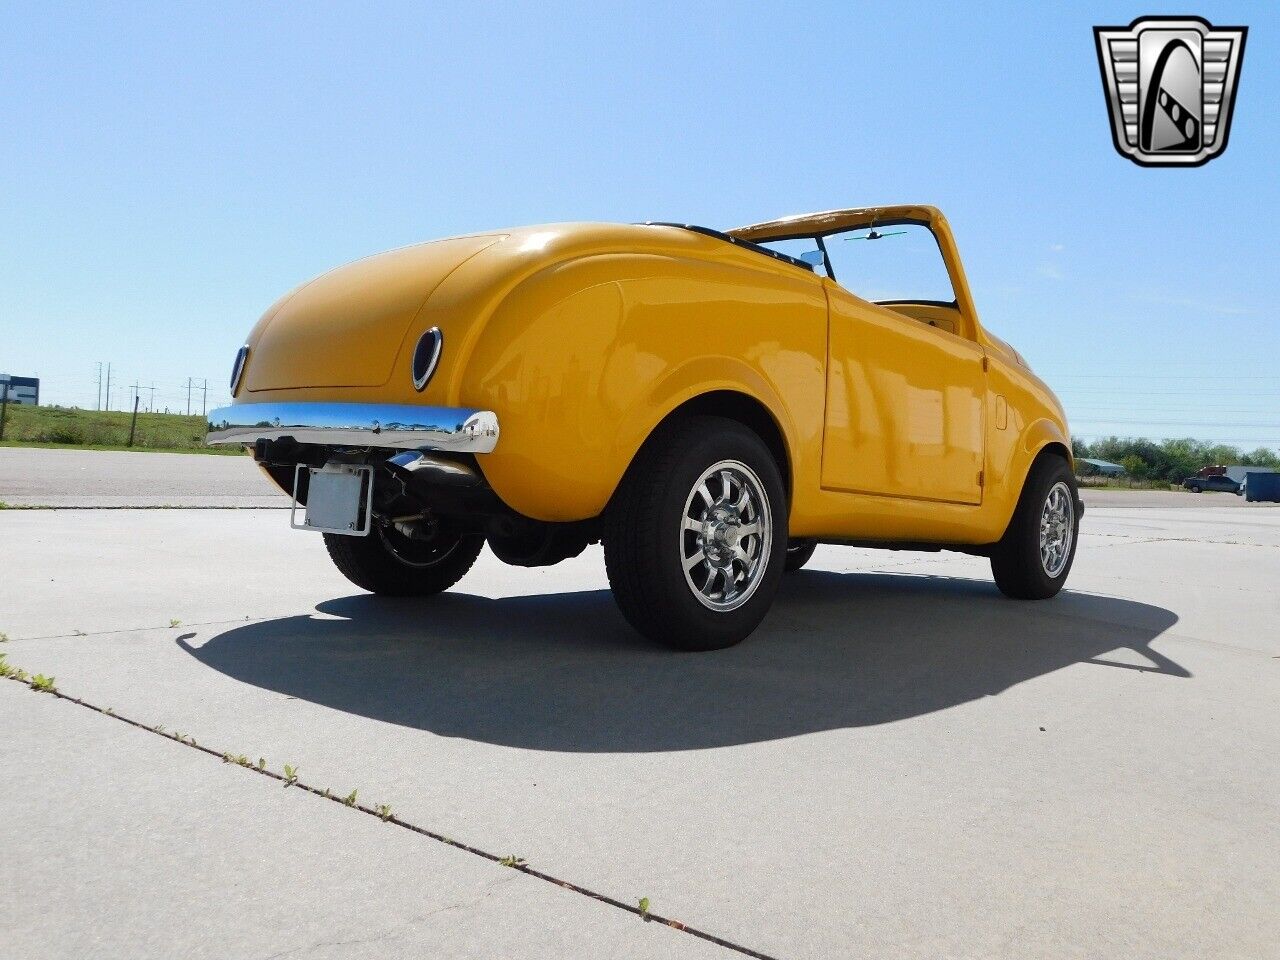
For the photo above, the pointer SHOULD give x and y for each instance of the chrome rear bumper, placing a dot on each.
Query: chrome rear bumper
(392, 426)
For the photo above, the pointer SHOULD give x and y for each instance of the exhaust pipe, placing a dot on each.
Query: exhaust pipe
(420, 466)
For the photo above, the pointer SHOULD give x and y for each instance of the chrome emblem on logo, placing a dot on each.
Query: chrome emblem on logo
(1170, 84)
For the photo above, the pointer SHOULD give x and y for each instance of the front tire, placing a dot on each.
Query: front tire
(695, 538)
(1032, 560)
(799, 552)
(390, 564)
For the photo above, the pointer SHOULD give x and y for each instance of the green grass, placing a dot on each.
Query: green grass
(1124, 483)
(59, 427)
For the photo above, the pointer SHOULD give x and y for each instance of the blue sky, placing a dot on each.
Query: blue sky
(166, 172)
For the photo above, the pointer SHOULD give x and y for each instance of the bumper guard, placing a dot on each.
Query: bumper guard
(390, 426)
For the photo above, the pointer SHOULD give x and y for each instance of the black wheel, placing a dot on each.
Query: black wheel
(799, 551)
(1032, 560)
(1194, 489)
(693, 534)
(388, 563)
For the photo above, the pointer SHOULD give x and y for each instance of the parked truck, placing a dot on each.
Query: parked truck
(1211, 482)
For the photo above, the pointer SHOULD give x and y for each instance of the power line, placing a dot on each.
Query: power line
(1145, 376)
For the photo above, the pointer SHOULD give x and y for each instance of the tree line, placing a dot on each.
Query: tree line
(1169, 460)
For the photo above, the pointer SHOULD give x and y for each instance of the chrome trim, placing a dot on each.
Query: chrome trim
(420, 383)
(237, 368)
(389, 426)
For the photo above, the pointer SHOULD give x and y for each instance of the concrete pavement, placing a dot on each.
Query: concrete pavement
(128, 845)
(899, 763)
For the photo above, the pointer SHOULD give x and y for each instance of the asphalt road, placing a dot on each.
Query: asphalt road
(93, 478)
(34, 476)
(1166, 499)
(900, 763)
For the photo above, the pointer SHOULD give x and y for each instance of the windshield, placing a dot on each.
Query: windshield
(893, 263)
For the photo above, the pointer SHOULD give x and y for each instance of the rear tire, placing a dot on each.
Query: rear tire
(1033, 559)
(694, 541)
(799, 552)
(390, 564)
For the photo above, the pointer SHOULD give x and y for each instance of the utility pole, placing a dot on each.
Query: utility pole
(188, 396)
(204, 399)
(134, 421)
(99, 385)
(108, 386)
(151, 404)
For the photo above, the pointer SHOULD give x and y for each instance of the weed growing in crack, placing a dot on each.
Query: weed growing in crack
(262, 763)
(384, 811)
(644, 908)
(174, 623)
(5, 669)
(43, 684)
(326, 794)
(350, 799)
(511, 860)
(290, 775)
(4, 637)
(20, 675)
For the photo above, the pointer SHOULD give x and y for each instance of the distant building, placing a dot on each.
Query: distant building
(1097, 468)
(21, 389)
(1237, 472)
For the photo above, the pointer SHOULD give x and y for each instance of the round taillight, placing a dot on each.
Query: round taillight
(425, 357)
(237, 369)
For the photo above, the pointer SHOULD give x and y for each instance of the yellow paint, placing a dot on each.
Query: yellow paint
(912, 429)
(583, 337)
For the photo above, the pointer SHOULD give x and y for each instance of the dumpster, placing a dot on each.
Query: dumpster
(1262, 486)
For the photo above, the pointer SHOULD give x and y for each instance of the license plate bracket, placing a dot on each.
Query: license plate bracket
(339, 499)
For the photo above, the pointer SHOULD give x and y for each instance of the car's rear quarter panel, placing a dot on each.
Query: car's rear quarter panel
(584, 358)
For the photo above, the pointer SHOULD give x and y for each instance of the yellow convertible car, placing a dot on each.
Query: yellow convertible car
(708, 405)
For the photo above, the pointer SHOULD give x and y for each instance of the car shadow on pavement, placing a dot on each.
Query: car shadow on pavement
(564, 671)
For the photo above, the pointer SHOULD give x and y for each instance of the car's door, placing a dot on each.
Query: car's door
(905, 395)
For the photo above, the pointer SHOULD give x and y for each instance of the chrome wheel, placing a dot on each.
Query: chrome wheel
(726, 534)
(416, 553)
(1057, 529)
